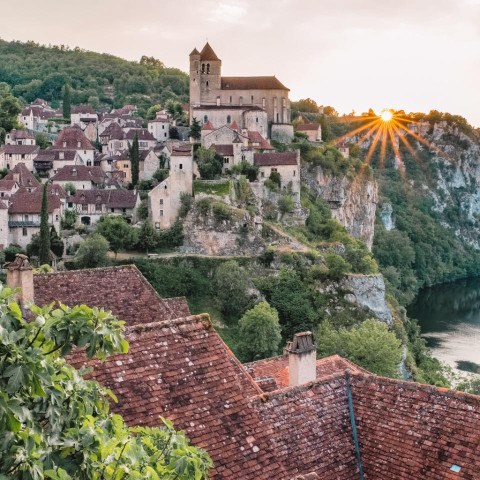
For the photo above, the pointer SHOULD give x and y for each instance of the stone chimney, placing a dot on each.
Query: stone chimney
(302, 359)
(20, 275)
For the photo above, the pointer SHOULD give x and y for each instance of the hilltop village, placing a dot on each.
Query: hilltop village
(276, 226)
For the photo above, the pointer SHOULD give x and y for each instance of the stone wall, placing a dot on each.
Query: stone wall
(282, 132)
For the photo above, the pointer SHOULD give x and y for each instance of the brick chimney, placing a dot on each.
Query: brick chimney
(20, 274)
(302, 359)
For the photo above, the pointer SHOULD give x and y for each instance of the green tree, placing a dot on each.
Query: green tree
(44, 248)
(134, 152)
(195, 131)
(337, 266)
(142, 210)
(67, 102)
(231, 287)
(260, 333)
(147, 237)
(286, 204)
(9, 108)
(56, 425)
(93, 252)
(70, 219)
(115, 230)
(151, 112)
(306, 105)
(70, 188)
(41, 139)
(210, 165)
(370, 345)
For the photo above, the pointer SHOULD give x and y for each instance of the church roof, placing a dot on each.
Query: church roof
(207, 53)
(208, 126)
(194, 52)
(252, 83)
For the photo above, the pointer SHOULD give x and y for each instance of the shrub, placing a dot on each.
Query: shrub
(70, 219)
(276, 178)
(272, 186)
(286, 204)
(142, 210)
(221, 212)
(70, 188)
(186, 201)
(161, 174)
(93, 252)
(203, 206)
(11, 251)
(337, 266)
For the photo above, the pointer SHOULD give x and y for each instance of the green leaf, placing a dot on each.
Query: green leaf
(17, 378)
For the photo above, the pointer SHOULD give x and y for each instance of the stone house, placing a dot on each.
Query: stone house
(122, 167)
(164, 200)
(48, 162)
(159, 127)
(81, 176)
(36, 117)
(8, 188)
(146, 140)
(344, 150)
(287, 164)
(21, 175)
(84, 115)
(19, 137)
(110, 135)
(257, 103)
(149, 164)
(12, 155)
(73, 139)
(92, 204)
(312, 130)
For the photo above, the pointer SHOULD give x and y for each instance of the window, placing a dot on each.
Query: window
(26, 218)
(218, 101)
(125, 165)
(79, 144)
(124, 210)
(163, 127)
(240, 101)
(277, 118)
(203, 68)
(84, 207)
(243, 158)
(180, 166)
(64, 144)
(24, 231)
(165, 187)
(226, 160)
(256, 119)
(98, 207)
(205, 118)
(262, 174)
(161, 201)
(231, 99)
(207, 83)
(56, 218)
(229, 119)
(23, 155)
(274, 170)
(208, 68)
(264, 102)
(112, 210)
(251, 98)
(157, 225)
(294, 172)
(70, 204)
(161, 213)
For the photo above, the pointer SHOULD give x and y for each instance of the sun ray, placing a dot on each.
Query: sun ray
(405, 142)
(401, 165)
(357, 130)
(356, 119)
(373, 146)
(369, 133)
(383, 150)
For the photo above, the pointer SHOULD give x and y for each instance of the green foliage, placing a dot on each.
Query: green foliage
(204, 205)
(151, 112)
(115, 82)
(116, 231)
(55, 424)
(44, 247)
(276, 178)
(171, 237)
(67, 102)
(218, 189)
(369, 345)
(221, 212)
(470, 384)
(195, 131)
(231, 287)
(147, 237)
(186, 202)
(247, 169)
(70, 188)
(70, 219)
(161, 174)
(210, 165)
(271, 185)
(305, 105)
(9, 108)
(337, 266)
(11, 251)
(93, 252)
(134, 154)
(286, 204)
(332, 162)
(260, 333)
(142, 210)
(41, 139)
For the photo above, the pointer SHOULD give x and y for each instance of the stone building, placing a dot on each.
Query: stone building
(19, 137)
(159, 127)
(312, 130)
(12, 155)
(80, 176)
(259, 104)
(164, 200)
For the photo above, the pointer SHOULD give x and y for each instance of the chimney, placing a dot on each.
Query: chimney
(20, 274)
(302, 359)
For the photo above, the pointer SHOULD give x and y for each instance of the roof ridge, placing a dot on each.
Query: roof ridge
(71, 272)
(203, 318)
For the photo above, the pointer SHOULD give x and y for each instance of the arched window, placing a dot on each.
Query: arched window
(229, 119)
(205, 118)
(208, 68)
(203, 68)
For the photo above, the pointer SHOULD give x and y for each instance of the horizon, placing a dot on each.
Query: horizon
(377, 55)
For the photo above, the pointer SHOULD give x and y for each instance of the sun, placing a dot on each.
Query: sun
(386, 115)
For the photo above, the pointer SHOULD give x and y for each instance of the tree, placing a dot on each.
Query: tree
(195, 130)
(286, 204)
(135, 160)
(142, 210)
(305, 105)
(93, 252)
(337, 266)
(147, 237)
(370, 345)
(70, 188)
(9, 108)
(161, 174)
(67, 102)
(231, 287)
(56, 425)
(115, 230)
(41, 139)
(152, 111)
(210, 165)
(260, 333)
(70, 219)
(44, 247)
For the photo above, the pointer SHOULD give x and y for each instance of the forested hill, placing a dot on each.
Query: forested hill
(33, 70)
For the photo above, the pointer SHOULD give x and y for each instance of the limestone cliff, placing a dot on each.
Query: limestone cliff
(353, 202)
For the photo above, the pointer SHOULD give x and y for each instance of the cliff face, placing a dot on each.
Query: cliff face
(353, 202)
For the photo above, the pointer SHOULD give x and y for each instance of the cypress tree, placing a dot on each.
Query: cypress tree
(44, 251)
(135, 160)
(195, 130)
(67, 110)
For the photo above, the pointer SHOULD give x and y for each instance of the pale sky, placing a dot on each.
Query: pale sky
(415, 55)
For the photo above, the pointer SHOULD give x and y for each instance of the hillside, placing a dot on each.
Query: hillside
(105, 81)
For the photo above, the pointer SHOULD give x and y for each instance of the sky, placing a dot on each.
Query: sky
(414, 55)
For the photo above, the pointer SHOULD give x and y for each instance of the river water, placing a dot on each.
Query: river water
(449, 315)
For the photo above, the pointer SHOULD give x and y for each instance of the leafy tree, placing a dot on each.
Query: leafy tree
(186, 201)
(142, 210)
(260, 333)
(306, 105)
(134, 152)
(56, 243)
(231, 287)
(152, 111)
(286, 204)
(44, 248)
(210, 165)
(276, 178)
(41, 139)
(115, 230)
(67, 102)
(55, 424)
(93, 252)
(70, 188)
(70, 219)
(370, 345)
(161, 174)
(337, 266)
(171, 237)
(147, 237)
(9, 108)
(11, 252)
(195, 130)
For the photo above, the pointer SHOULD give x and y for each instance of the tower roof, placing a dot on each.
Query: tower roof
(208, 54)
(194, 52)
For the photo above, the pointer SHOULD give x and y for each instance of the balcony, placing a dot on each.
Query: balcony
(23, 223)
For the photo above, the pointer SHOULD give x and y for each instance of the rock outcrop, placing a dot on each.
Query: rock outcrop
(386, 216)
(368, 291)
(353, 202)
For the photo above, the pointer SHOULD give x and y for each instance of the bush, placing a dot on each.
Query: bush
(276, 178)
(172, 237)
(142, 210)
(11, 251)
(286, 204)
(272, 186)
(186, 201)
(221, 212)
(204, 205)
(70, 188)
(70, 219)
(161, 174)
(245, 168)
(93, 252)
(210, 165)
(337, 266)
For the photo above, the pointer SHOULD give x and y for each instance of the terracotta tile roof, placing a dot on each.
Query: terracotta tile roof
(255, 137)
(20, 149)
(252, 83)
(72, 137)
(23, 201)
(79, 173)
(207, 53)
(123, 290)
(271, 159)
(83, 109)
(22, 175)
(208, 126)
(20, 135)
(57, 190)
(7, 185)
(245, 108)
(225, 150)
(306, 127)
(182, 151)
(110, 198)
(234, 126)
(142, 133)
(194, 52)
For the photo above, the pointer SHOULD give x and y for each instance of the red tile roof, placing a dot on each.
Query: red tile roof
(83, 109)
(225, 150)
(207, 53)
(20, 149)
(72, 137)
(271, 159)
(22, 175)
(21, 135)
(23, 201)
(234, 126)
(79, 173)
(208, 126)
(142, 133)
(255, 137)
(306, 127)
(252, 83)
(109, 198)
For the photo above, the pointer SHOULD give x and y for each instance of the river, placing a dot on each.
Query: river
(449, 315)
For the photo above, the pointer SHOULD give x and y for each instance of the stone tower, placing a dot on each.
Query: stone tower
(195, 78)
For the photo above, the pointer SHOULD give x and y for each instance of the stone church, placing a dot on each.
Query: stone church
(259, 104)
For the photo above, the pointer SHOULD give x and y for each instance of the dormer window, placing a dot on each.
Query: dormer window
(64, 144)
(79, 144)
(251, 98)
(74, 172)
